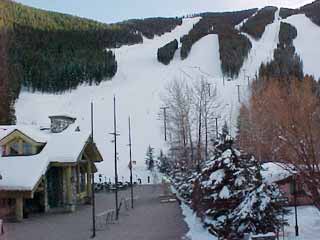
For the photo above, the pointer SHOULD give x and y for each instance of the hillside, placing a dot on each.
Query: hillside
(143, 78)
(53, 52)
(218, 50)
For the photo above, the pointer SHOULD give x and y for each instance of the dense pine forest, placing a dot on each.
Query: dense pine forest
(166, 53)
(311, 10)
(53, 52)
(256, 25)
(234, 47)
(286, 63)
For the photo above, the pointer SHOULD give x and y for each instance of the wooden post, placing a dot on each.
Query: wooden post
(69, 184)
(46, 205)
(78, 178)
(20, 147)
(19, 209)
(89, 187)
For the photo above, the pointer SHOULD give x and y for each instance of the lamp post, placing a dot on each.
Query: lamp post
(295, 205)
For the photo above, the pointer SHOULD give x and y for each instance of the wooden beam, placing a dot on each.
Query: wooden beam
(19, 209)
(89, 187)
(69, 184)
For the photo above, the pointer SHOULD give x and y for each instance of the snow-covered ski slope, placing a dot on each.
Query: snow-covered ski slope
(306, 43)
(138, 84)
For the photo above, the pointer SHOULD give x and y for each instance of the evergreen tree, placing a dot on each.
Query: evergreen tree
(150, 159)
(164, 165)
(225, 130)
(231, 197)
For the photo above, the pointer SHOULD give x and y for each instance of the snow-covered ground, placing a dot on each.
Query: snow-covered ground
(308, 222)
(196, 230)
(138, 84)
(306, 43)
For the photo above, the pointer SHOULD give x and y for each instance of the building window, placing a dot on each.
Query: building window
(27, 149)
(14, 149)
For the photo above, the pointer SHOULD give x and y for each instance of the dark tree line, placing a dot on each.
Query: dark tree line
(287, 12)
(6, 95)
(151, 27)
(312, 11)
(256, 25)
(234, 49)
(54, 52)
(166, 53)
(286, 63)
(212, 23)
(56, 61)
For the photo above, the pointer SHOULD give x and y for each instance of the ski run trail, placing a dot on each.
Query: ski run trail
(141, 80)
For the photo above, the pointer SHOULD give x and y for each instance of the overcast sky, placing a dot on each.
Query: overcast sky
(117, 10)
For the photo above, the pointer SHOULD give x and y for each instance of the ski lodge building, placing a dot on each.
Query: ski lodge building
(47, 169)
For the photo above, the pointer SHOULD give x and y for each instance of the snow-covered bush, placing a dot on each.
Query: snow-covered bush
(231, 198)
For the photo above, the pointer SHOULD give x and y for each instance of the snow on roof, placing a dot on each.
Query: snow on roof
(67, 145)
(29, 130)
(273, 172)
(22, 173)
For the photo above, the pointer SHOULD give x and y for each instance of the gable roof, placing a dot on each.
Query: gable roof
(273, 172)
(30, 132)
(22, 173)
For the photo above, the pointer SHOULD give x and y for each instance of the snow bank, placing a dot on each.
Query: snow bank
(196, 230)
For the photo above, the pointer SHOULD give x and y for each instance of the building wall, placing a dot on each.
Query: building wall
(302, 197)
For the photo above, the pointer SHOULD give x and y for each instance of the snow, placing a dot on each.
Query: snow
(224, 193)
(196, 230)
(217, 176)
(308, 222)
(306, 43)
(29, 130)
(273, 172)
(138, 86)
(22, 173)
(66, 146)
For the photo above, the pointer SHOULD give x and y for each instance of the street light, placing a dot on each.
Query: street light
(295, 204)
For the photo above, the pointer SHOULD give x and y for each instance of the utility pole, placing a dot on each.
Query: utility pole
(92, 183)
(130, 154)
(217, 133)
(199, 136)
(238, 86)
(115, 156)
(223, 79)
(248, 77)
(295, 204)
(165, 121)
(206, 127)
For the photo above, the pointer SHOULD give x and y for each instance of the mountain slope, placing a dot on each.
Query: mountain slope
(138, 86)
(306, 43)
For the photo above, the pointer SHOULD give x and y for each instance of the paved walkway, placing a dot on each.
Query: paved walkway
(149, 220)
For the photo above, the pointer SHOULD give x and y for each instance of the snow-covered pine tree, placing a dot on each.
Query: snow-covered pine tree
(164, 165)
(150, 159)
(225, 130)
(231, 198)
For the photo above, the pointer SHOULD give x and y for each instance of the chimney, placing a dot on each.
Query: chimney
(60, 122)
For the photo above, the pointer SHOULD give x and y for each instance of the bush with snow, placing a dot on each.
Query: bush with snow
(231, 198)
